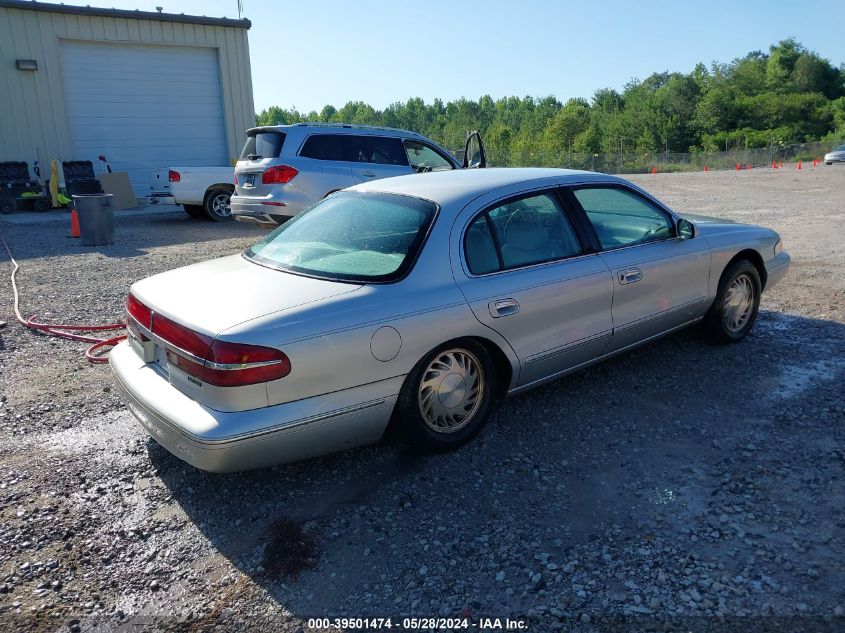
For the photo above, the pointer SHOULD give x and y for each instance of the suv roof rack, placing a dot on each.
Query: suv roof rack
(355, 126)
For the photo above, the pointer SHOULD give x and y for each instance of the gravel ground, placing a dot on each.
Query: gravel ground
(680, 486)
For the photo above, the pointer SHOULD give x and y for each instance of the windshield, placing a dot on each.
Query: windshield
(841, 148)
(350, 236)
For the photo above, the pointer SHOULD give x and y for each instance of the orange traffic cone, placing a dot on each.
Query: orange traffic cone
(748, 168)
(799, 164)
(74, 223)
(654, 170)
(774, 165)
(781, 164)
(738, 167)
(705, 168)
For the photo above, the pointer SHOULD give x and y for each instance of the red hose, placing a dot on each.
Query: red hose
(64, 330)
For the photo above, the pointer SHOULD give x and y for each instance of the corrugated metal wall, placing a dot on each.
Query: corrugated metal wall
(33, 116)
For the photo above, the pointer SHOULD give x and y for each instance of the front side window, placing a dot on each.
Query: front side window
(425, 158)
(326, 147)
(350, 236)
(622, 218)
(379, 150)
(526, 231)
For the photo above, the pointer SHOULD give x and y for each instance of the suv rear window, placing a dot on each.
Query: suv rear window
(326, 147)
(263, 145)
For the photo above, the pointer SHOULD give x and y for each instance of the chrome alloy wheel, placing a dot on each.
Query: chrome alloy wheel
(220, 205)
(451, 390)
(739, 303)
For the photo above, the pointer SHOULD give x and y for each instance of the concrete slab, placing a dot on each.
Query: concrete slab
(62, 215)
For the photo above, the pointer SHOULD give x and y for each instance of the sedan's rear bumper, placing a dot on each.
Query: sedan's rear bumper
(217, 441)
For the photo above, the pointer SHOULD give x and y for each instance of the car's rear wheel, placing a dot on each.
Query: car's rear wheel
(217, 204)
(734, 311)
(447, 396)
(194, 210)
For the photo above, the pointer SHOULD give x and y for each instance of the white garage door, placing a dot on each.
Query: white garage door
(144, 107)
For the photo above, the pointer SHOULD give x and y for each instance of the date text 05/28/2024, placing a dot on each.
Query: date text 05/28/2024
(414, 624)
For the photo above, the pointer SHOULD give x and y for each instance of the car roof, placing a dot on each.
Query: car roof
(458, 187)
(335, 128)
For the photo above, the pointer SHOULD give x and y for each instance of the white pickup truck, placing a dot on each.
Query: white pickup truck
(203, 191)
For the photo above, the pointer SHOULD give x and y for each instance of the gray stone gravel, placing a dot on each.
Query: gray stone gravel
(679, 486)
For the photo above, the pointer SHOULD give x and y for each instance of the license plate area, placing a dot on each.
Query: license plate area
(249, 180)
(144, 349)
(160, 360)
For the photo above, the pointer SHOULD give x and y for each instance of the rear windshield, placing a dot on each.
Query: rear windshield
(263, 145)
(350, 236)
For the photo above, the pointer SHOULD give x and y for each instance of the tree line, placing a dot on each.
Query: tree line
(788, 95)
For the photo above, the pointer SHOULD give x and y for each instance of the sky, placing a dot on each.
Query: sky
(310, 53)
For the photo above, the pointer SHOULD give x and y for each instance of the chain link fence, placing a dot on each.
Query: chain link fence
(633, 163)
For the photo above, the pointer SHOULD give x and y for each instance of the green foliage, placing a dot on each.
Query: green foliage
(788, 95)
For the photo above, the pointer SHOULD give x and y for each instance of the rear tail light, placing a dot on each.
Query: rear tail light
(217, 363)
(138, 311)
(173, 176)
(235, 176)
(278, 175)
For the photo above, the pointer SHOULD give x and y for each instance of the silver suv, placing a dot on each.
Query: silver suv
(284, 169)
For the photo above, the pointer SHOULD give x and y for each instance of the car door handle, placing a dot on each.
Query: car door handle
(503, 307)
(629, 275)
(368, 174)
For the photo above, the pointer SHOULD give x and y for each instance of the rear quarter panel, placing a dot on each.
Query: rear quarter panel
(332, 344)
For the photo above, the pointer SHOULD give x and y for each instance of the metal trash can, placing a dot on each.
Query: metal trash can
(96, 218)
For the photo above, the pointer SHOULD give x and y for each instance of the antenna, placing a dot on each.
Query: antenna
(240, 9)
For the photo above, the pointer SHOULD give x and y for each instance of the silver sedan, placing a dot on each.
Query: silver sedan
(836, 155)
(420, 301)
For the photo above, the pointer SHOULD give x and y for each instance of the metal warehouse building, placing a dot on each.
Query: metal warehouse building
(147, 90)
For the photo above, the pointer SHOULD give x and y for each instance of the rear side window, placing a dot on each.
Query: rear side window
(480, 249)
(379, 150)
(327, 147)
(521, 232)
(263, 145)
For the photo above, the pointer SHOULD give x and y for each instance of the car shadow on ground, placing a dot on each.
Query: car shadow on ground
(133, 236)
(630, 451)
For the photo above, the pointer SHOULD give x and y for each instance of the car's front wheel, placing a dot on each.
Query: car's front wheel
(217, 204)
(734, 311)
(447, 396)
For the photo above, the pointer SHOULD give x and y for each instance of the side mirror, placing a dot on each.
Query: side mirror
(474, 152)
(686, 229)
